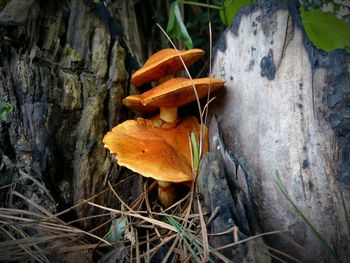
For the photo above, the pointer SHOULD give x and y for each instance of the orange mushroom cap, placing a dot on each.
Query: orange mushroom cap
(172, 93)
(163, 63)
(159, 153)
(179, 91)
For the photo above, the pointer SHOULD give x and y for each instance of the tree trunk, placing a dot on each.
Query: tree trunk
(286, 108)
(63, 68)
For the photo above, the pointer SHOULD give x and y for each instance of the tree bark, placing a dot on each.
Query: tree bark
(64, 68)
(286, 108)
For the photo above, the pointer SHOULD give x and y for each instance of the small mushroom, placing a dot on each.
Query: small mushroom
(162, 64)
(171, 94)
(159, 153)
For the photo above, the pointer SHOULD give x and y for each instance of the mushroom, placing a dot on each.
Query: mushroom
(167, 97)
(162, 64)
(171, 94)
(160, 153)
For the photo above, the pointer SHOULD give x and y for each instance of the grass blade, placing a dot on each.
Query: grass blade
(324, 243)
(195, 152)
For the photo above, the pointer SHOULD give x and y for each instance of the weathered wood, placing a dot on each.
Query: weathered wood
(286, 108)
(63, 70)
(228, 205)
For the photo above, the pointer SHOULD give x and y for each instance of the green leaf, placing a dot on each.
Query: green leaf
(4, 108)
(171, 20)
(325, 30)
(230, 9)
(176, 27)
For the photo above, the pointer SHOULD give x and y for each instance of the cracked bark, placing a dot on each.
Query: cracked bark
(63, 68)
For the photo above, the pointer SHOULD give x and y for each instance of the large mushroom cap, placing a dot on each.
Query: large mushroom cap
(162, 154)
(177, 92)
(164, 62)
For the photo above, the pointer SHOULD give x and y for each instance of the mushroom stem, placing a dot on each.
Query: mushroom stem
(166, 193)
(168, 114)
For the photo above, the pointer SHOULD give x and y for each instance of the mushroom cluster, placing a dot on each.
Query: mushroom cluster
(159, 147)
